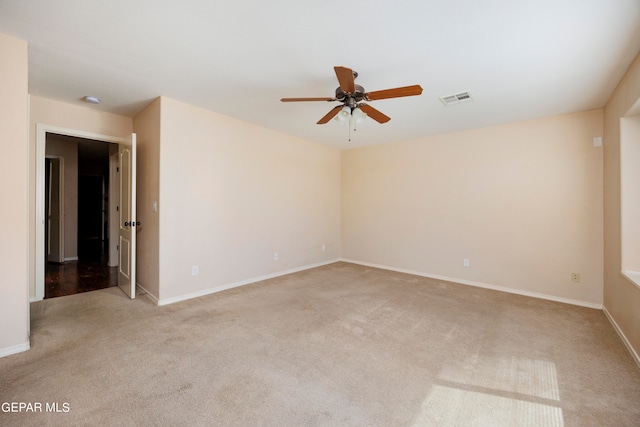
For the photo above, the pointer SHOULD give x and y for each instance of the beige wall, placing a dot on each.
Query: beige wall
(232, 194)
(621, 297)
(14, 187)
(59, 114)
(68, 150)
(146, 125)
(522, 202)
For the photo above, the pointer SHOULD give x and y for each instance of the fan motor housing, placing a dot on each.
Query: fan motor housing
(357, 96)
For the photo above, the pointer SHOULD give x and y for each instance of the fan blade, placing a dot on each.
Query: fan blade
(374, 114)
(394, 93)
(306, 99)
(346, 79)
(330, 115)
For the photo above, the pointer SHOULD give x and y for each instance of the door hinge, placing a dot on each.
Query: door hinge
(117, 208)
(117, 168)
(117, 247)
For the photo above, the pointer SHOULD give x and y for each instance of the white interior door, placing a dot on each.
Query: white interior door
(128, 221)
(55, 227)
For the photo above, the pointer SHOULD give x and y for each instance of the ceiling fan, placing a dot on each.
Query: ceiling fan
(351, 95)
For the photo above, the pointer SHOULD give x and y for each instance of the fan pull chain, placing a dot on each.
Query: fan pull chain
(354, 127)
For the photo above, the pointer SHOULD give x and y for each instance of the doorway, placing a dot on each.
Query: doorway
(79, 261)
(113, 188)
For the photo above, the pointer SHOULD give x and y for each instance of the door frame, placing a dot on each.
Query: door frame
(61, 231)
(113, 217)
(41, 139)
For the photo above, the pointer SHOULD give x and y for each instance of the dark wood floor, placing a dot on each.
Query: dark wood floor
(89, 273)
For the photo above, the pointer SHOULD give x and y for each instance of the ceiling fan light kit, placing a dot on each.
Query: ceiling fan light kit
(358, 115)
(344, 114)
(351, 96)
(353, 116)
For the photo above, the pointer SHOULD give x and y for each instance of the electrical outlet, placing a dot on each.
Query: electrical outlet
(275, 256)
(465, 262)
(324, 248)
(575, 277)
(195, 270)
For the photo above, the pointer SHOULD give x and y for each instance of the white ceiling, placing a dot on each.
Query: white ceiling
(521, 59)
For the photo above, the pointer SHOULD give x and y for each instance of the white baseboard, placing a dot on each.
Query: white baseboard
(7, 351)
(147, 293)
(71, 258)
(166, 301)
(480, 285)
(626, 342)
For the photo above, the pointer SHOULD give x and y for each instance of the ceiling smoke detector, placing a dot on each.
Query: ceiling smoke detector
(456, 98)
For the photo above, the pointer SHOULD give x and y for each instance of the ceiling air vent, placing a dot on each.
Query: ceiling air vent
(456, 98)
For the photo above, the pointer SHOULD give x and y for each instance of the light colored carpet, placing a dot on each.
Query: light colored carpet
(340, 345)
